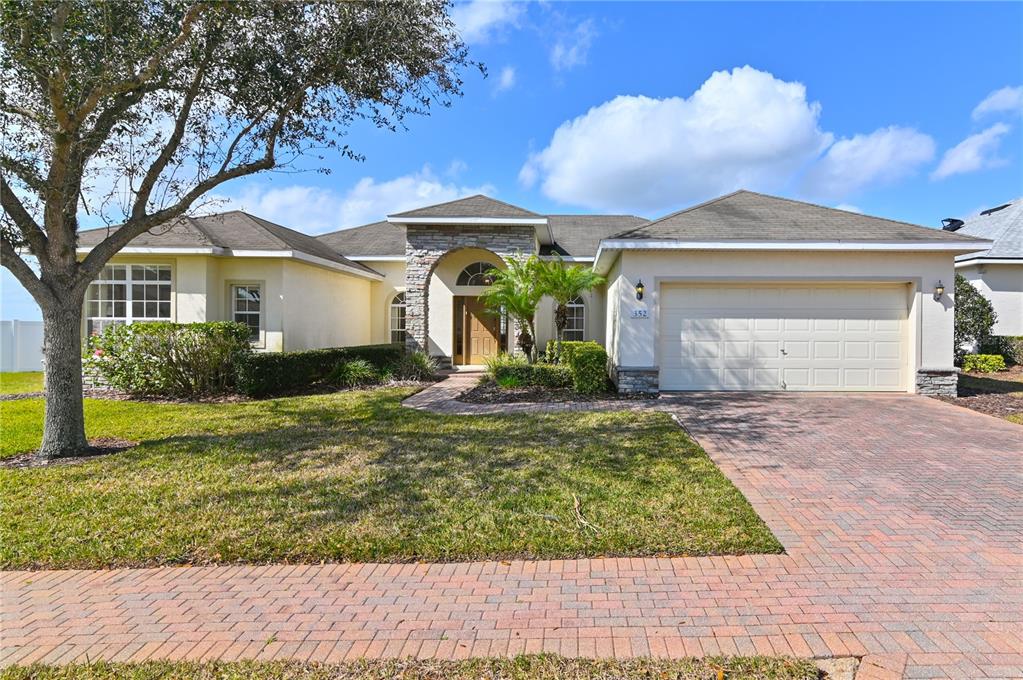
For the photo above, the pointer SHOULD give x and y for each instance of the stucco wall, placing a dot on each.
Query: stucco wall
(381, 294)
(324, 308)
(930, 321)
(1002, 284)
(268, 273)
(593, 318)
(443, 289)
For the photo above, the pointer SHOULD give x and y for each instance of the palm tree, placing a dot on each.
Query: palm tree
(564, 284)
(517, 292)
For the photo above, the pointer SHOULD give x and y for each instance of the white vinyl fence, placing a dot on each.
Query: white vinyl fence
(21, 345)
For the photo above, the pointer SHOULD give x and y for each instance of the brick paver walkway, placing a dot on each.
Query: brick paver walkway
(902, 518)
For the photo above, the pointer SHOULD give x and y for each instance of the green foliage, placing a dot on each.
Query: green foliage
(1009, 346)
(589, 369)
(416, 365)
(512, 371)
(269, 373)
(568, 348)
(169, 359)
(983, 363)
(974, 318)
(353, 373)
(564, 283)
(509, 381)
(517, 291)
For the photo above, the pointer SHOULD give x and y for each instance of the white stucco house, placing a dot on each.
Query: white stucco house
(744, 292)
(996, 271)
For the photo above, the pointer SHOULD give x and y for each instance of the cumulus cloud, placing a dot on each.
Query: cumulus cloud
(976, 152)
(506, 79)
(1005, 99)
(572, 49)
(480, 21)
(316, 210)
(883, 156)
(741, 128)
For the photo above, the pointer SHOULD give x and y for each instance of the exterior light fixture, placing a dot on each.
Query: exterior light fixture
(639, 290)
(939, 290)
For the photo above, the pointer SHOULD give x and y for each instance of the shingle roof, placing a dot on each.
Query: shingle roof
(1004, 227)
(749, 216)
(574, 236)
(235, 230)
(471, 206)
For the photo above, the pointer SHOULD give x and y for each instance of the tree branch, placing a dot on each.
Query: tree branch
(17, 266)
(33, 234)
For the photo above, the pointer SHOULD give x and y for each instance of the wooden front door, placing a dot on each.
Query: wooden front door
(482, 332)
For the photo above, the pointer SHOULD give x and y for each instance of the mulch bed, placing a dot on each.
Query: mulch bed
(100, 446)
(491, 393)
(990, 401)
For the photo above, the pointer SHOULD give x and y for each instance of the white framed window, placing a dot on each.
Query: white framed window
(123, 293)
(575, 325)
(397, 316)
(247, 308)
(477, 274)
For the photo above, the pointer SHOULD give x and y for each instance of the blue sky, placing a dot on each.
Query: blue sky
(911, 111)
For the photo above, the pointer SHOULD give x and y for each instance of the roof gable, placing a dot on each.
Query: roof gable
(749, 216)
(471, 206)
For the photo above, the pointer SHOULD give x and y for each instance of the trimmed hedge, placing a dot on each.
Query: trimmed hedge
(983, 363)
(161, 358)
(568, 348)
(269, 373)
(589, 369)
(517, 369)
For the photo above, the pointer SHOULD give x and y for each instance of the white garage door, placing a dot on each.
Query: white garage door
(783, 337)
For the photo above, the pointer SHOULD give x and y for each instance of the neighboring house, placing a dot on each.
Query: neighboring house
(745, 292)
(997, 271)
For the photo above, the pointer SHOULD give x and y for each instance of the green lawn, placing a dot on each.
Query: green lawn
(537, 667)
(20, 383)
(356, 476)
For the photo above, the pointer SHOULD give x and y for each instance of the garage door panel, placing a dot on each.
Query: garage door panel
(833, 337)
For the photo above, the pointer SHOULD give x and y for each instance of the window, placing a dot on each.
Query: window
(476, 274)
(246, 301)
(575, 325)
(128, 292)
(398, 318)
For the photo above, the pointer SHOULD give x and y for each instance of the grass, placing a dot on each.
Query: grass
(354, 476)
(20, 383)
(534, 667)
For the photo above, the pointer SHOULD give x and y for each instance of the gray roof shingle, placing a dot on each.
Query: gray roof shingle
(471, 206)
(1004, 227)
(749, 216)
(378, 239)
(235, 230)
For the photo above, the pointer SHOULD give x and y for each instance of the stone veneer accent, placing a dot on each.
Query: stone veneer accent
(937, 382)
(636, 380)
(426, 245)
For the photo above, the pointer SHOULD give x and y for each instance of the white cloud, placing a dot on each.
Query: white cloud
(506, 80)
(743, 128)
(572, 49)
(480, 21)
(1005, 99)
(848, 208)
(883, 156)
(976, 152)
(316, 210)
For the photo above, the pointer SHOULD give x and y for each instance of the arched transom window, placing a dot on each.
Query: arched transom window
(477, 274)
(575, 327)
(398, 318)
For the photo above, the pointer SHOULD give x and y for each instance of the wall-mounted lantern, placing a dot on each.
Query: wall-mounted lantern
(939, 290)
(639, 290)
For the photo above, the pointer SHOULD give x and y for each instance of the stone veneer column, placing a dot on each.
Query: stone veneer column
(426, 245)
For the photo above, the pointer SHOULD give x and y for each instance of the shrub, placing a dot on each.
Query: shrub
(354, 373)
(974, 318)
(983, 363)
(415, 366)
(509, 381)
(169, 359)
(505, 367)
(267, 373)
(589, 369)
(568, 348)
(1009, 346)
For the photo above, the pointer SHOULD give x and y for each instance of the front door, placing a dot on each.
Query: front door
(482, 332)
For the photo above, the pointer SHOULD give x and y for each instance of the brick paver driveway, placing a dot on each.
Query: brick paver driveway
(901, 517)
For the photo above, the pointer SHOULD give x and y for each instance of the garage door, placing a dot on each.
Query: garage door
(783, 337)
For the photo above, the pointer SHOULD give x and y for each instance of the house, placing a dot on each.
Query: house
(997, 271)
(744, 292)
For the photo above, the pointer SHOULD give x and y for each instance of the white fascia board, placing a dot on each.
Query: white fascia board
(978, 260)
(555, 258)
(136, 250)
(441, 221)
(309, 259)
(376, 258)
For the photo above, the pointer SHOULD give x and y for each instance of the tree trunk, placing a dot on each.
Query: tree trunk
(560, 321)
(64, 423)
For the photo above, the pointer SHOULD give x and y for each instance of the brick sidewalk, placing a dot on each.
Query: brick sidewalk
(902, 519)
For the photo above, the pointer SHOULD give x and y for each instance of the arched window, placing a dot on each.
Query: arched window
(477, 274)
(575, 327)
(398, 318)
